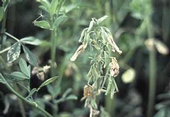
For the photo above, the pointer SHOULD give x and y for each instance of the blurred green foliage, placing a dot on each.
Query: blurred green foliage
(128, 21)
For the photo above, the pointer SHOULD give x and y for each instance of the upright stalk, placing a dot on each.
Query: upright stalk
(53, 51)
(152, 72)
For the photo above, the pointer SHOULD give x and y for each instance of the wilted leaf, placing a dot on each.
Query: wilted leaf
(31, 41)
(128, 76)
(19, 75)
(14, 52)
(32, 59)
(100, 20)
(1, 13)
(24, 68)
(42, 24)
(48, 82)
(59, 20)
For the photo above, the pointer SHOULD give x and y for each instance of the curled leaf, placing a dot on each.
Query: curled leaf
(90, 26)
(113, 44)
(83, 34)
(102, 19)
(80, 50)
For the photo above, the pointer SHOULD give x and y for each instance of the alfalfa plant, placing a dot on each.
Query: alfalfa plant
(103, 65)
(50, 19)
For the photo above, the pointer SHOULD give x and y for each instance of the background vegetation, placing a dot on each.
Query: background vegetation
(141, 29)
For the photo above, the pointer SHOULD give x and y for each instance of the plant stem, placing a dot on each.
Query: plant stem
(152, 73)
(3, 29)
(21, 105)
(110, 105)
(34, 104)
(4, 50)
(53, 51)
(2, 61)
(12, 36)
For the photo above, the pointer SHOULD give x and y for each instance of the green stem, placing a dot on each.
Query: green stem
(34, 104)
(2, 61)
(3, 28)
(53, 51)
(110, 105)
(4, 50)
(11, 36)
(152, 74)
(21, 105)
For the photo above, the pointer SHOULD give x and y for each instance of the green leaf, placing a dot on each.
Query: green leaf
(47, 82)
(54, 92)
(160, 113)
(54, 4)
(59, 20)
(23, 67)
(66, 92)
(71, 97)
(32, 59)
(2, 79)
(31, 92)
(19, 75)
(43, 8)
(14, 52)
(30, 40)
(46, 4)
(70, 7)
(1, 13)
(42, 24)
